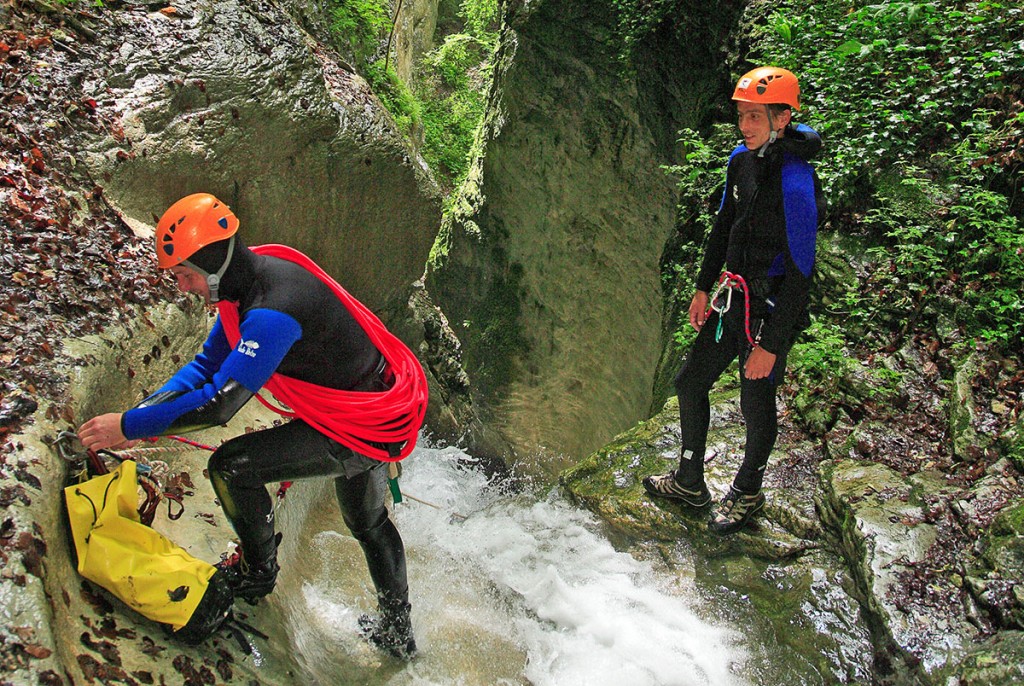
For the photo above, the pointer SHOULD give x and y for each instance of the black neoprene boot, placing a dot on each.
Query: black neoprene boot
(391, 630)
(252, 571)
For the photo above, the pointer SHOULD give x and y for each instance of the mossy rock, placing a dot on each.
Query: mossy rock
(609, 483)
(1005, 549)
(773, 575)
(999, 661)
(1011, 444)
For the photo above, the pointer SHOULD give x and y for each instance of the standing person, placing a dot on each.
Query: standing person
(764, 236)
(357, 396)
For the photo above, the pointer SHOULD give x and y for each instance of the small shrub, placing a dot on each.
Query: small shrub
(361, 25)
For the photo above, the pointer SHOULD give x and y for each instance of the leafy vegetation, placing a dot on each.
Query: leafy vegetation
(442, 107)
(920, 105)
(360, 24)
(701, 176)
(452, 83)
(639, 18)
(395, 95)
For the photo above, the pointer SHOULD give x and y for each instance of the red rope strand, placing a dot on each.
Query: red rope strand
(357, 419)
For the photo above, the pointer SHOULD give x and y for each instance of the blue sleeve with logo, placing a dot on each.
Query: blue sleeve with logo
(267, 336)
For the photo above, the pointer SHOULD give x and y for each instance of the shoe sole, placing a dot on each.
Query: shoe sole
(678, 498)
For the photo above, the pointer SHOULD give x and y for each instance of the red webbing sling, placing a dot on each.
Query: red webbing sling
(354, 418)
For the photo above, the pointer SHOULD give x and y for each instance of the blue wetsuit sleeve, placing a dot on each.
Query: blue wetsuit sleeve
(266, 337)
(201, 369)
(718, 239)
(800, 205)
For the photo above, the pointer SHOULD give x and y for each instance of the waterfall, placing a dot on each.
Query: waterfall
(506, 589)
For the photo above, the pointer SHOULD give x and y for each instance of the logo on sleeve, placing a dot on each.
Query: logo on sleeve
(248, 348)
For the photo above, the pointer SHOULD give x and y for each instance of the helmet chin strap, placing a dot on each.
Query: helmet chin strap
(773, 136)
(213, 280)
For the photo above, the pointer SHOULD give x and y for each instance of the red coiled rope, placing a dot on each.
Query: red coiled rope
(354, 418)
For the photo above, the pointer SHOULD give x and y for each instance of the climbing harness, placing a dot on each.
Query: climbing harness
(729, 282)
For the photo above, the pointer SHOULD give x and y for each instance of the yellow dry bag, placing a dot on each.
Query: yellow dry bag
(151, 574)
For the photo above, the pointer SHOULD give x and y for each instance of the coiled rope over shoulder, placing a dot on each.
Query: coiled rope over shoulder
(360, 420)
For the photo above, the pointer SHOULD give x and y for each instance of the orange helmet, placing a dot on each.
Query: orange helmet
(769, 86)
(192, 223)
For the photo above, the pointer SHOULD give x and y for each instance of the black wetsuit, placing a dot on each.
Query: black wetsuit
(291, 323)
(765, 231)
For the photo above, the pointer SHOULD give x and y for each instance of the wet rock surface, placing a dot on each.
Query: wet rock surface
(549, 267)
(777, 578)
(923, 552)
(85, 95)
(237, 100)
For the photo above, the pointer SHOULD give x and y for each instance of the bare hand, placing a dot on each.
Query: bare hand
(759, 363)
(103, 432)
(698, 309)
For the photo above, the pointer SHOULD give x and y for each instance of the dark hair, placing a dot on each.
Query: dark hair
(778, 108)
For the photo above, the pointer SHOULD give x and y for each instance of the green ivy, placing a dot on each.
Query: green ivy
(451, 83)
(919, 107)
(360, 24)
(882, 81)
(916, 104)
(701, 175)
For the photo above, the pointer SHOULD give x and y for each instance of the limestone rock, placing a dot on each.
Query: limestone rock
(886, 536)
(549, 269)
(234, 99)
(997, 661)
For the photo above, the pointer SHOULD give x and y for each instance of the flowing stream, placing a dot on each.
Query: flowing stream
(506, 589)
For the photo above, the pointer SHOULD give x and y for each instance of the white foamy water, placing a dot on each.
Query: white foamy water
(524, 590)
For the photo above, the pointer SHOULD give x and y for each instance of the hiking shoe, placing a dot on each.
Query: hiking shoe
(666, 486)
(735, 510)
(391, 631)
(249, 582)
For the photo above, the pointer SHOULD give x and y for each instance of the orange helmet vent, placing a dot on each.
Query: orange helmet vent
(192, 223)
(769, 86)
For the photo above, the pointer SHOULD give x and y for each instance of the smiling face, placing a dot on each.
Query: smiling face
(191, 281)
(755, 124)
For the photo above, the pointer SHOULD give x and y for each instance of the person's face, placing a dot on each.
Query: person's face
(191, 281)
(754, 123)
